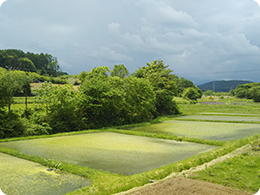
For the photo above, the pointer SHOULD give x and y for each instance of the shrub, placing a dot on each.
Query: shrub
(36, 129)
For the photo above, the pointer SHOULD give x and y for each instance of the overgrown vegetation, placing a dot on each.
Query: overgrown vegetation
(249, 91)
(104, 98)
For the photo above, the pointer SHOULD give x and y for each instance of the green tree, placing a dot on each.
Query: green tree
(208, 93)
(26, 64)
(120, 71)
(59, 104)
(140, 100)
(191, 93)
(11, 83)
(108, 101)
(255, 93)
(183, 84)
(164, 84)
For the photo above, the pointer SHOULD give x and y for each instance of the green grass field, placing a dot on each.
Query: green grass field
(24, 177)
(242, 172)
(117, 153)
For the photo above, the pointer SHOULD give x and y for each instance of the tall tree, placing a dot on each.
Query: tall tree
(164, 85)
(120, 71)
(12, 82)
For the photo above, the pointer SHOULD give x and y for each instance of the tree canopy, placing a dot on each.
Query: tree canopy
(44, 64)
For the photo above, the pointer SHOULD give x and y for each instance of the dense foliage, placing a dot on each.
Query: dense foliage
(104, 98)
(249, 91)
(44, 64)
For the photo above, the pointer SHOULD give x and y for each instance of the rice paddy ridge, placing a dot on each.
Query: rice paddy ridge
(187, 173)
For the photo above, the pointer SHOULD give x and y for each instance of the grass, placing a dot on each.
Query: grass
(242, 172)
(193, 109)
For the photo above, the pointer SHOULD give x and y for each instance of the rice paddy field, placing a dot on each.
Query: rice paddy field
(112, 160)
(219, 131)
(116, 153)
(20, 176)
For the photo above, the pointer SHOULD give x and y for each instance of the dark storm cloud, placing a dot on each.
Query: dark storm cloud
(191, 36)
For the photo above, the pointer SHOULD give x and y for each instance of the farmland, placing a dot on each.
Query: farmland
(119, 158)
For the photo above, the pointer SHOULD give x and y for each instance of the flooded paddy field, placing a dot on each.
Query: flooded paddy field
(205, 130)
(20, 176)
(237, 118)
(116, 153)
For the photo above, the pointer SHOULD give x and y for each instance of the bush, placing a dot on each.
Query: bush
(36, 129)
(255, 92)
(10, 125)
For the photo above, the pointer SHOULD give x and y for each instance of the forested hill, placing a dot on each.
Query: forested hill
(222, 86)
(44, 64)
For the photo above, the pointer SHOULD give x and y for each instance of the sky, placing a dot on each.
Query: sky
(200, 40)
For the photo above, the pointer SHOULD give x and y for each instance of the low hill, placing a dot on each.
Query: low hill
(222, 86)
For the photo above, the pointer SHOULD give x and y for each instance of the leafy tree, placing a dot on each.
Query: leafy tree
(140, 100)
(120, 71)
(99, 100)
(191, 93)
(208, 93)
(183, 84)
(59, 103)
(164, 85)
(26, 64)
(107, 100)
(240, 92)
(82, 76)
(44, 64)
(255, 93)
(102, 70)
(11, 83)
(232, 92)
(10, 125)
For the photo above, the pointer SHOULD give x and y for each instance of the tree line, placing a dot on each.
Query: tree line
(43, 64)
(104, 98)
(248, 91)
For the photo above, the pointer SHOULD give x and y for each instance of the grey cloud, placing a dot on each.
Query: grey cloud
(190, 36)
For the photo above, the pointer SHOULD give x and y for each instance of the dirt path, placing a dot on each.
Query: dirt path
(177, 184)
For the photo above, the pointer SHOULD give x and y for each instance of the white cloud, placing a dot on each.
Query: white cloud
(1, 2)
(257, 1)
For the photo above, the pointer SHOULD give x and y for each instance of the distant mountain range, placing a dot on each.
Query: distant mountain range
(222, 86)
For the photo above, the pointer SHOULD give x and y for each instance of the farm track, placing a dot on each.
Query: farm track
(178, 183)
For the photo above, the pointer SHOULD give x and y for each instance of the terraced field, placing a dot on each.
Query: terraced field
(205, 130)
(116, 153)
(113, 162)
(20, 176)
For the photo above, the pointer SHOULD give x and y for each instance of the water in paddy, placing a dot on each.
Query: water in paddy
(204, 130)
(118, 153)
(222, 118)
(18, 176)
